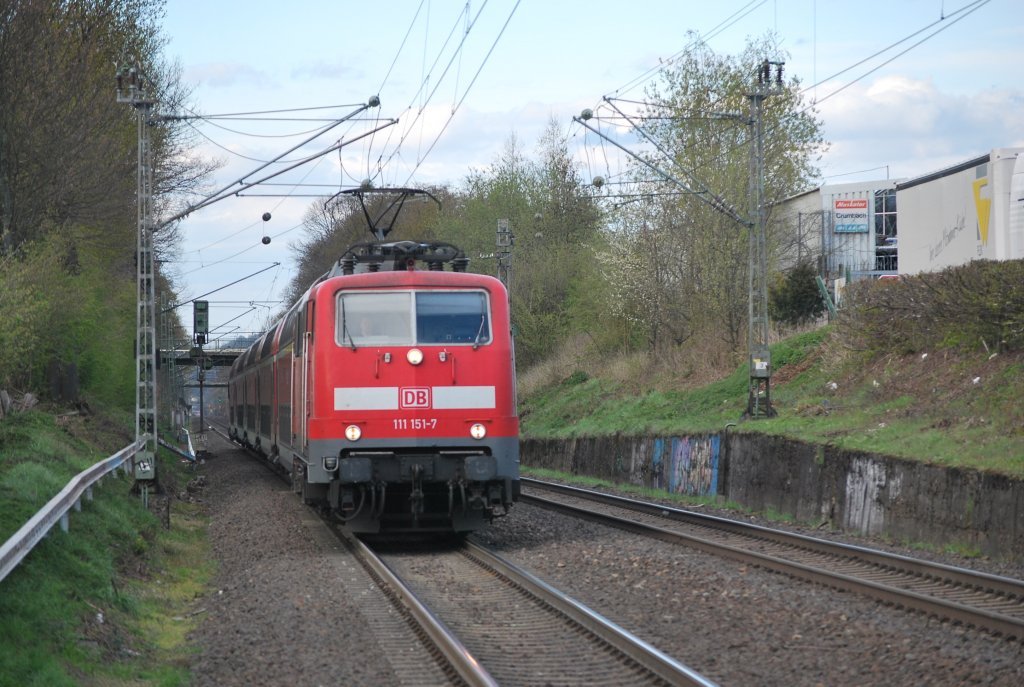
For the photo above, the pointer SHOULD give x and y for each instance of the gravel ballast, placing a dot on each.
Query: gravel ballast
(288, 607)
(741, 625)
(281, 612)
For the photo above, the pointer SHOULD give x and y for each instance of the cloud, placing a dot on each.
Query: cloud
(327, 70)
(914, 127)
(227, 74)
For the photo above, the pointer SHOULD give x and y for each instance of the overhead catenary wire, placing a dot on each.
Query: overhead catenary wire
(221, 288)
(968, 10)
(424, 95)
(241, 252)
(946, 21)
(426, 98)
(466, 93)
(225, 192)
(445, 66)
(233, 189)
(702, 38)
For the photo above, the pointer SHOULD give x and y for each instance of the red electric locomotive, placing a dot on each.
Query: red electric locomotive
(388, 392)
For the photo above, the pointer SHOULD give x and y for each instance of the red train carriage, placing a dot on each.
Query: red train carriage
(389, 394)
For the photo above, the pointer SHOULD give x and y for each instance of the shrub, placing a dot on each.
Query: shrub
(980, 304)
(796, 299)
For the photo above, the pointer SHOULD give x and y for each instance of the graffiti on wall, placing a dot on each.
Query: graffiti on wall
(689, 466)
(868, 489)
(658, 465)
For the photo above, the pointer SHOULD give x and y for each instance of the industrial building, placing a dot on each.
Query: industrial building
(867, 230)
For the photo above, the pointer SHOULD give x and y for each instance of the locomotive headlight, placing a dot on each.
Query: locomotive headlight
(353, 432)
(414, 356)
(477, 431)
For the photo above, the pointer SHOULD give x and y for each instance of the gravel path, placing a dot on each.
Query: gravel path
(291, 608)
(285, 609)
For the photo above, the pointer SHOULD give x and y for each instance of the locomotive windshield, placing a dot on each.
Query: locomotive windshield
(404, 318)
(448, 317)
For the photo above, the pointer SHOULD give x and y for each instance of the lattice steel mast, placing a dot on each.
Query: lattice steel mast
(504, 254)
(759, 398)
(131, 90)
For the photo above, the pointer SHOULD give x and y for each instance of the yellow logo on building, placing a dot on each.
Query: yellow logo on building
(983, 207)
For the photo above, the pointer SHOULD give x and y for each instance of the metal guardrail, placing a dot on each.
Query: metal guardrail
(56, 509)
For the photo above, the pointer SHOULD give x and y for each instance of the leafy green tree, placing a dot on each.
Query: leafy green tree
(67, 184)
(65, 156)
(557, 229)
(679, 265)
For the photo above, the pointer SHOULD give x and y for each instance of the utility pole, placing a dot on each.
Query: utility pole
(131, 90)
(759, 399)
(505, 239)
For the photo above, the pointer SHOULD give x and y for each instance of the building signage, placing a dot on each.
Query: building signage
(850, 216)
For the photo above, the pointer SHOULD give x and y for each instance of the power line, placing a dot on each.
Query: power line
(221, 288)
(229, 115)
(466, 93)
(726, 23)
(964, 11)
(230, 190)
(408, 130)
(974, 7)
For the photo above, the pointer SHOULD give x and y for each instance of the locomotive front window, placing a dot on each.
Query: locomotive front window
(451, 317)
(403, 318)
(375, 319)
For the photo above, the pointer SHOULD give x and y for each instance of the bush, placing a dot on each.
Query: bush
(796, 299)
(53, 313)
(26, 309)
(980, 304)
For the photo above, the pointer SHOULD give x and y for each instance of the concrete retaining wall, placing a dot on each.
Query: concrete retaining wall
(855, 492)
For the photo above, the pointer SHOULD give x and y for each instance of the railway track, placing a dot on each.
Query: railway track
(486, 622)
(988, 602)
(494, 623)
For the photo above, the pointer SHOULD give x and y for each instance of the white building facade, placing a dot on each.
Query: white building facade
(850, 229)
(867, 230)
(971, 211)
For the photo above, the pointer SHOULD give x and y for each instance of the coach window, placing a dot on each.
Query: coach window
(374, 319)
(288, 329)
(452, 317)
(267, 345)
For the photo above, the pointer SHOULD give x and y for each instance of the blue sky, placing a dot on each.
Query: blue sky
(523, 63)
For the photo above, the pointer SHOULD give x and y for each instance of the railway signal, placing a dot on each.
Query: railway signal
(200, 321)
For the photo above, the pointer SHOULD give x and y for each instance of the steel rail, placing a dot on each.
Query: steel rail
(646, 655)
(957, 612)
(939, 571)
(463, 662)
(56, 509)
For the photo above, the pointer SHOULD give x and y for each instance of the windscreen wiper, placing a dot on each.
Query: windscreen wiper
(480, 331)
(344, 326)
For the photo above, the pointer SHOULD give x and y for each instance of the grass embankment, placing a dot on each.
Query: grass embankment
(922, 385)
(110, 601)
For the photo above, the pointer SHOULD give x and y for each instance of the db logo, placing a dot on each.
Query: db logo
(414, 397)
